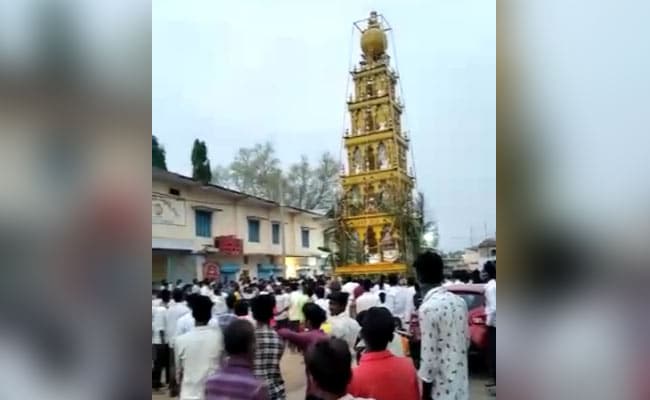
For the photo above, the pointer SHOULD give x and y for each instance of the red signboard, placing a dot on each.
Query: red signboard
(228, 245)
(210, 271)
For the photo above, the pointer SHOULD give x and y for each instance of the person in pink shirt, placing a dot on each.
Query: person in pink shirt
(314, 318)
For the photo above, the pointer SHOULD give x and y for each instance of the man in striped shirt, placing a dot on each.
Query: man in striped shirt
(235, 380)
(268, 347)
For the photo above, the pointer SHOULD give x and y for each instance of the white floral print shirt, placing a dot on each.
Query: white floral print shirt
(445, 333)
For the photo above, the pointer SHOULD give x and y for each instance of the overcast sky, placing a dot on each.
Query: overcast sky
(236, 73)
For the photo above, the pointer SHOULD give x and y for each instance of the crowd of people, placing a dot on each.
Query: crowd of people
(380, 339)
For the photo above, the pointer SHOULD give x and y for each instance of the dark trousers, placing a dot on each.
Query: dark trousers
(294, 326)
(160, 362)
(173, 385)
(282, 323)
(492, 352)
(414, 349)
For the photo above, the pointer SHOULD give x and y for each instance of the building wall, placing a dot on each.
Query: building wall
(176, 225)
(471, 258)
(486, 254)
(158, 267)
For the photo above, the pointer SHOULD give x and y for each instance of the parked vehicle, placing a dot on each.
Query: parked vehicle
(473, 294)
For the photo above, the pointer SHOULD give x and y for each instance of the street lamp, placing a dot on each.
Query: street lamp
(428, 238)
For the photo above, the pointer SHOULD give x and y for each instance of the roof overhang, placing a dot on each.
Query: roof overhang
(172, 244)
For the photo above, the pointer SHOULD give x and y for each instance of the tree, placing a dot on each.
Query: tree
(157, 154)
(430, 233)
(200, 164)
(256, 171)
(407, 211)
(313, 188)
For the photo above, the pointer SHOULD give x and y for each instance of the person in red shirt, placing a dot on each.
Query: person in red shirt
(381, 375)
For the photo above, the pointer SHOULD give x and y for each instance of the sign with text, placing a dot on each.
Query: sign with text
(228, 245)
(167, 211)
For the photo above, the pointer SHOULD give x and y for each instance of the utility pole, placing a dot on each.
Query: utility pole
(471, 236)
(282, 230)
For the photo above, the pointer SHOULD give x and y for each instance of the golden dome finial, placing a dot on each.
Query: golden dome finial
(373, 39)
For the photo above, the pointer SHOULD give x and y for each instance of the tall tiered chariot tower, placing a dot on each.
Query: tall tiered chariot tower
(377, 215)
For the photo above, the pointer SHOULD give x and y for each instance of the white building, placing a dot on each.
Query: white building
(187, 217)
(475, 257)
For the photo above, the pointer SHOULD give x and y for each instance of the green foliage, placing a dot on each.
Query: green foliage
(408, 223)
(346, 248)
(157, 154)
(310, 187)
(256, 171)
(200, 164)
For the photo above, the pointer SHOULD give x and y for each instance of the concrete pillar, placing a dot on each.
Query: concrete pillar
(199, 259)
(170, 266)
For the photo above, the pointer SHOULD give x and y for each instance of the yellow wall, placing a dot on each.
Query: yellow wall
(233, 220)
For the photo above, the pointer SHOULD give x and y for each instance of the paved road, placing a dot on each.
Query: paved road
(294, 374)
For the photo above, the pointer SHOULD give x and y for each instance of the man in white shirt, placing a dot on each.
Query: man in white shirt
(445, 334)
(410, 286)
(367, 298)
(490, 270)
(410, 303)
(196, 288)
(321, 301)
(282, 307)
(249, 292)
(349, 286)
(397, 298)
(219, 301)
(159, 341)
(342, 326)
(198, 352)
(186, 322)
(205, 289)
(174, 313)
(380, 286)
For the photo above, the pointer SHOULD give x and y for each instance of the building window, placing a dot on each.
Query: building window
(254, 230)
(275, 233)
(305, 237)
(203, 223)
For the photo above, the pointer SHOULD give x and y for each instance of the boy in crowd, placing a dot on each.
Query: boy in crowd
(314, 318)
(321, 301)
(159, 339)
(174, 313)
(269, 347)
(282, 307)
(342, 326)
(236, 381)
(380, 374)
(199, 351)
(328, 369)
